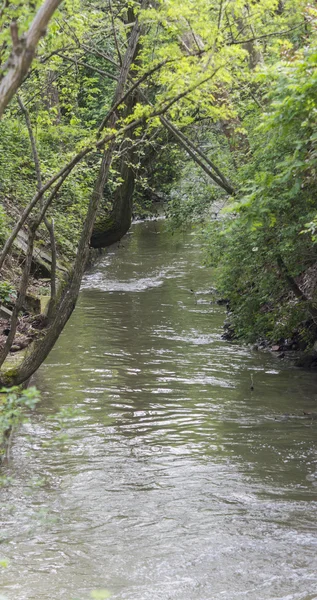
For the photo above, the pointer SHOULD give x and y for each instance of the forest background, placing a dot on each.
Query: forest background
(113, 105)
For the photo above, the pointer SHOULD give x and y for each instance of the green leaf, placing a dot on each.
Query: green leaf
(100, 594)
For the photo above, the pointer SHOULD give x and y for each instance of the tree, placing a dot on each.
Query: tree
(192, 39)
(96, 99)
(23, 51)
(69, 297)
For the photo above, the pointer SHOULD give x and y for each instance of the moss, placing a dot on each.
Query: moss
(10, 367)
(104, 224)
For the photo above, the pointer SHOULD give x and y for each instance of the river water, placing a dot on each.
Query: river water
(150, 468)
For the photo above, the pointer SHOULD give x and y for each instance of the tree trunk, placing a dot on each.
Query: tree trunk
(48, 224)
(52, 98)
(20, 299)
(112, 227)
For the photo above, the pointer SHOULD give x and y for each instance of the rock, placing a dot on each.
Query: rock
(307, 361)
(222, 302)
(311, 415)
(32, 304)
(44, 302)
(15, 348)
(39, 322)
(5, 313)
(42, 260)
(228, 335)
(21, 345)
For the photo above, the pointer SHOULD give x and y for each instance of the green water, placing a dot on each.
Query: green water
(173, 480)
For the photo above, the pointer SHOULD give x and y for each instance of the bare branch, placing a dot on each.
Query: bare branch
(14, 34)
(87, 66)
(49, 225)
(115, 34)
(262, 37)
(207, 165)
(129, 91)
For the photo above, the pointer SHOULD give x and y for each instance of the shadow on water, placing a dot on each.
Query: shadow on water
(171, 479)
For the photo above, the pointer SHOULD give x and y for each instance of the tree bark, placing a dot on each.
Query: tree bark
(251, 46)
(112, 228)
(52, 98)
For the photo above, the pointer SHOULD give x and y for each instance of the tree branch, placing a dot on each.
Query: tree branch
(298, 293)
(66, 170)
(23, 52)
(49, 225)
(115, 34)
(88, 66)
(262, 37)
(193, 150)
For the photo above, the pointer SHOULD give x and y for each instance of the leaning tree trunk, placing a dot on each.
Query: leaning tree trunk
(113, 227)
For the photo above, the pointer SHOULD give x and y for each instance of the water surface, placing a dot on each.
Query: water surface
(172, 480)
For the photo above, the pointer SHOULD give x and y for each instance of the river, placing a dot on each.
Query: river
(150, 468)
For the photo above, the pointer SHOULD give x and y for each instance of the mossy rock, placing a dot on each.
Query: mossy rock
(9, 368)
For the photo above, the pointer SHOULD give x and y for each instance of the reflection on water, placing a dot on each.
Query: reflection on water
(176, 481)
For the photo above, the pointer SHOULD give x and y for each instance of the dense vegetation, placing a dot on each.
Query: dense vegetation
(265, 245)
(209, 105)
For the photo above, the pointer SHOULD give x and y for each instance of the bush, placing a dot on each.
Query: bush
(267, 225)
(7, 293)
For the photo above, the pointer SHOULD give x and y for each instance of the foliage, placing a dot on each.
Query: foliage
(13, 403)
(65, 102)
(100, 594)
(275, 210)
(7, 292)
(157, 168)
(196, 198)
(215, 70)
(3, 223)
